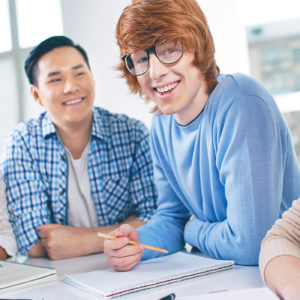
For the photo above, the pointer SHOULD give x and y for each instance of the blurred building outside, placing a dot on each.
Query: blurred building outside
(274, 51)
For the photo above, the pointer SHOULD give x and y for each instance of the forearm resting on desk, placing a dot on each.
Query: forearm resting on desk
(37, 250)
(282, 275)
(61, 241)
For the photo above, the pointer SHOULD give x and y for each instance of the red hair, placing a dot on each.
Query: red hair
(145, 23)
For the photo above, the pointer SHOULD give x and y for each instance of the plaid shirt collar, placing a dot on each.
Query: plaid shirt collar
(99, 129)
(48, 127)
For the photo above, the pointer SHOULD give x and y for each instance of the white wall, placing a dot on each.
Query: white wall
(92, 24)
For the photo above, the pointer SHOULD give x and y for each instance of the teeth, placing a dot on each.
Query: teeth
(167, 87)
(74, 101)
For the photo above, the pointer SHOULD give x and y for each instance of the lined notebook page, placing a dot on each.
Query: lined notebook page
(147, 274)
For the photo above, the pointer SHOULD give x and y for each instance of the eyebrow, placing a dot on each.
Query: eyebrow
(77, 67)
(54, 73)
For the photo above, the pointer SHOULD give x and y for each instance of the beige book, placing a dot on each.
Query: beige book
(14, 275)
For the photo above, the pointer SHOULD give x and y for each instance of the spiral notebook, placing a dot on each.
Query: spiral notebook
(147, 274)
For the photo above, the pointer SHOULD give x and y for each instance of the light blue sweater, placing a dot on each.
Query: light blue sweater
(233, 168)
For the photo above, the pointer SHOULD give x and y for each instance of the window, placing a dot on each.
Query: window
(5, 33)
(275, 56)
(274, 50)
(296, 54)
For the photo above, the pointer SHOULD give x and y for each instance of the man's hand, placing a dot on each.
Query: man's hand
(62, 241)
(120, 255)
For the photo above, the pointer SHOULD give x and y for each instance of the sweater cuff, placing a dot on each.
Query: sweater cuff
(273, 248)
(191, 231)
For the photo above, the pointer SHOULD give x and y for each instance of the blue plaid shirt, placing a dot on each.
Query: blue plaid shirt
(35, 169)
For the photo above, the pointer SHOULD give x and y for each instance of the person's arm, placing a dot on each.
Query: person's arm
(250, 158)
(26, 192)
(62, 241)
(165, 229)
(282, 275)
(279, 258)
(120, 255)
(8, 246)
(37, 250)
(3, 254)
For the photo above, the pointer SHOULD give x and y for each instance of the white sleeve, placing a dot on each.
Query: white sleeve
(7, 237)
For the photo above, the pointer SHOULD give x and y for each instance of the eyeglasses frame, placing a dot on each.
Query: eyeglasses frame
(150, 50)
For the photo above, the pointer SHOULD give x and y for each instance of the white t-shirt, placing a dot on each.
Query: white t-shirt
(81, 208)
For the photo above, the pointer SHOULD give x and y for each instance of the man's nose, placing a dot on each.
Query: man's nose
(156, 68)
(70, 85)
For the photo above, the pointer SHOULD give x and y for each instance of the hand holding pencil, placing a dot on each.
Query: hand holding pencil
(122, 248)
(112, 237)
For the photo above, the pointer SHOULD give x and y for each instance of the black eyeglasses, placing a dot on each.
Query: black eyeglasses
(137, 63)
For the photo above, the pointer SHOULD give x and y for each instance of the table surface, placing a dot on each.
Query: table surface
(239, 277)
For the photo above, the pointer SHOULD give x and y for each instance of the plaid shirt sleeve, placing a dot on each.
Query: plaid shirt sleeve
(142, 189)
(27, 199)
(121, 170)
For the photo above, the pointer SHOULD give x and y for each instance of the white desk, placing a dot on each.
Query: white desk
(236, 278)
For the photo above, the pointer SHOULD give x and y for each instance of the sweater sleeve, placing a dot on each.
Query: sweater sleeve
(251, 154)
(166, 227)
(283, 238)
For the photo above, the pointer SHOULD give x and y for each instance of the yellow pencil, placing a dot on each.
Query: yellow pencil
(112, 237)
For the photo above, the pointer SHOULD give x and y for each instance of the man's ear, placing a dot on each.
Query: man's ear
(36, 95)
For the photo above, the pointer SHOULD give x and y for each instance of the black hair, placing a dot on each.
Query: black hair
(44, 47)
